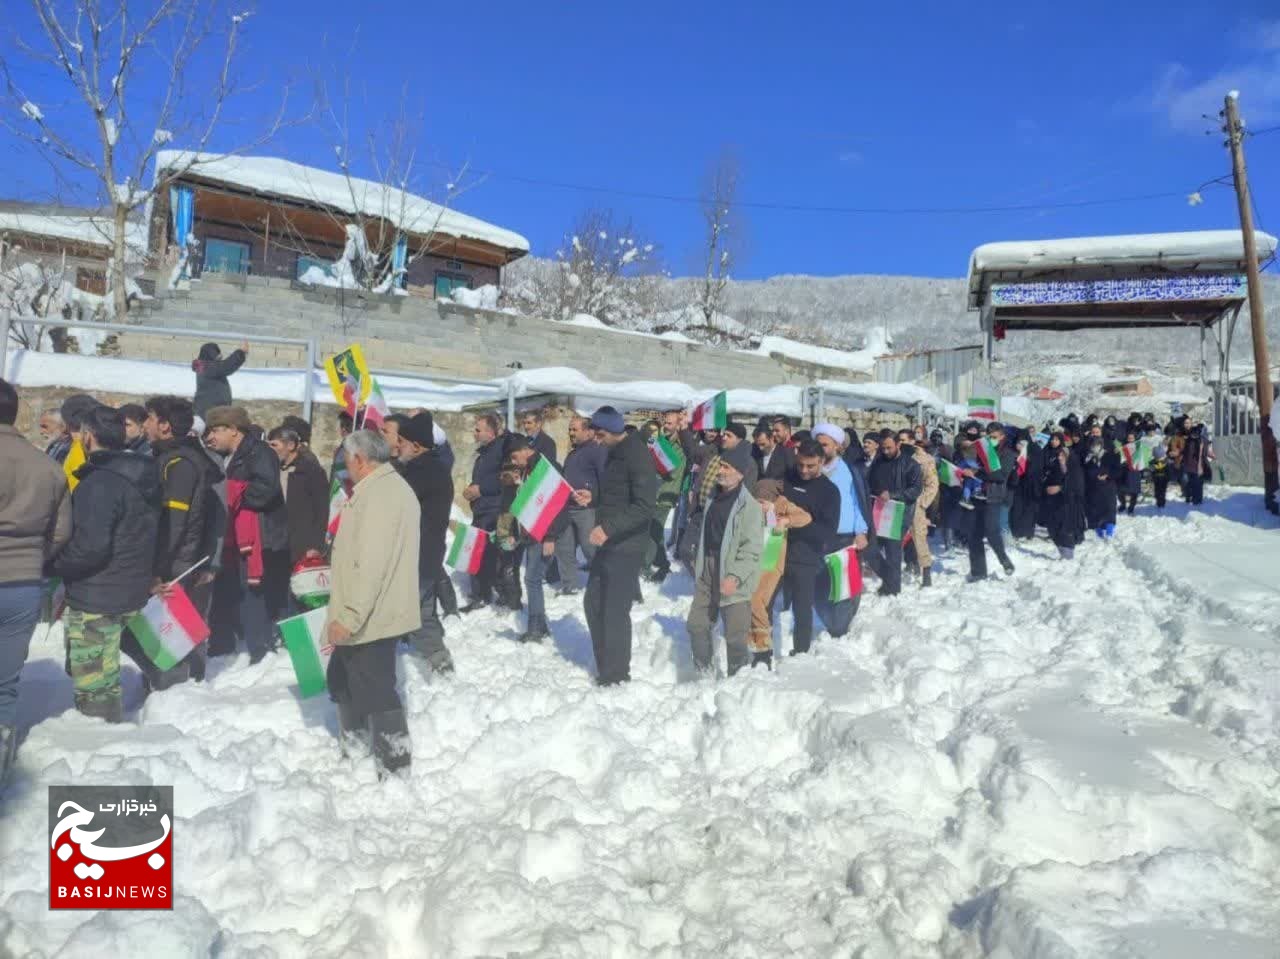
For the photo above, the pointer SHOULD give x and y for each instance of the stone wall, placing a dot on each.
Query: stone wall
(418, 335)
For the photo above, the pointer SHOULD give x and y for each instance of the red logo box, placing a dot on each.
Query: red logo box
(110, 847)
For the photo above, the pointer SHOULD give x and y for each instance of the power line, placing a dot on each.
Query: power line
(843, 210)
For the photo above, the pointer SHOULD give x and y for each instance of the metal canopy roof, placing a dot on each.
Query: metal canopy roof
(1151, 280)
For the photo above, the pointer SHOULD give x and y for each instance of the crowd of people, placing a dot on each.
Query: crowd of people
(123, 503)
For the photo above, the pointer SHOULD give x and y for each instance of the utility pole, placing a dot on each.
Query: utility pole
(1257, 322)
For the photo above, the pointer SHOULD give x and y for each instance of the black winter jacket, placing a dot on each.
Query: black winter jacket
(486, 474)
(256, 464)
(544, 445)
(306, 504)
(807, 545)
(628, 494)
(998, 481)
(584, 469)
(115, 511)
(900, 477)
(432, 483)
(212, 388)
(192, 518)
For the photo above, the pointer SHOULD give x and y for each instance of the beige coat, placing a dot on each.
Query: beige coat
(375, 560)
(929, 479)
(35, 508)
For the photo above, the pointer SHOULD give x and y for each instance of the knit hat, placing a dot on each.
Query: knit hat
(234, 417)
(419, 429)
(831, 431)
(608, 419)
(739, 457)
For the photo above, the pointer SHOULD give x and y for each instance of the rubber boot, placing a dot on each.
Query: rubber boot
(537, 631)
(926, 577)
(389, 733)
(8, 750)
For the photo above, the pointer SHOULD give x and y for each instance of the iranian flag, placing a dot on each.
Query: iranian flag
(982, 408)
(1137, 456)
(775, 540)
(948, 474)
(376, 409)
(310, 583)
(890, 518)
(845, 573)
(303, 637)
(467, 549)
(541, 497)
(711, 415)
(337, 498)
(988, 454)
(168, 628)
(667, 456)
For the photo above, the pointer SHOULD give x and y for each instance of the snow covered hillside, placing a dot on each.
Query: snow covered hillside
(1077, 762)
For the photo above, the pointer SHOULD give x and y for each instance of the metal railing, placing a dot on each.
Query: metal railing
(309, 386)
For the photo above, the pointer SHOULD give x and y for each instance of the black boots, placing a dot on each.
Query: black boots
(8, 750)
(385, 735)
(389, 733)
(926, 577)
(537, 631)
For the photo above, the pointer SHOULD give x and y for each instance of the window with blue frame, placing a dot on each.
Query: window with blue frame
(446, 283)
(225, 256)
(307, 262)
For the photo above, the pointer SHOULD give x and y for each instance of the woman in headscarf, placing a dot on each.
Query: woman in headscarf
(1026, 494)
(1129, 482)
(1063, 501)
(1101, 471)
(212, 388)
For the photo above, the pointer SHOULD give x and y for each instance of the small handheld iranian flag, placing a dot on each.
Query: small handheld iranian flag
(948, 475)
(1137, 456)
(168, 628)
(775, 540)
(337, 497)
(988, 454)
(304, 638)
(845, 573)
(889, 517)
(982, 408)
(375, 409)
(541, 497)
(711, 415)
(467, 549)
(310, 583)
(667, 456)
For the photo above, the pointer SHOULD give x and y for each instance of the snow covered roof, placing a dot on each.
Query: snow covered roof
(855, 361)
(283, 178)
(1210, 249)
(76, 227)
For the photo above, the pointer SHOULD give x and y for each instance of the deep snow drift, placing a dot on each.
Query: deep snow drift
(1081, 761)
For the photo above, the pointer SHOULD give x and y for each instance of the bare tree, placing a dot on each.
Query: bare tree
(38, 291)
(378, 214)
(129, 65)
(603, 269)
(723, 234)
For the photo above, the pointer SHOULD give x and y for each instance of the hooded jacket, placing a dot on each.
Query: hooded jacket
(191, 515)
(115, 513)
(212, 388)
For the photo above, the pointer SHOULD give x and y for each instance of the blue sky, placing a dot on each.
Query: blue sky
(925, 105)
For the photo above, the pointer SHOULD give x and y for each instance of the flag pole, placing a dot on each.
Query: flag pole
(179, 578)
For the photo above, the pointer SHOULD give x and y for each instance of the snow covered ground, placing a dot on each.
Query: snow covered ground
(1081, 761)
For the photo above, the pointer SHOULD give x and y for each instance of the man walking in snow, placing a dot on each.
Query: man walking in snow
(485, 496)
(807, 491)
(726, 566)
(35, 520)
(107, 564)
(895, 475)
(432, 486)
(627, 496)
(375, 600)
(257, 523)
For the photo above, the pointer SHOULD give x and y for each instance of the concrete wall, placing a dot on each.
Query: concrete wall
(418, 335)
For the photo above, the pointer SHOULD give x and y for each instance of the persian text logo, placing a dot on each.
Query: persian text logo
(110, 847)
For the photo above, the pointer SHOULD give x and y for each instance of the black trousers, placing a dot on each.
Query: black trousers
(889, 564)
(1128, 502)
(483, 582)
(798, 583)
(612, 584)
(1161, 487)
(1195, 489)
(445, 593)
(363, 678)
(986, 529)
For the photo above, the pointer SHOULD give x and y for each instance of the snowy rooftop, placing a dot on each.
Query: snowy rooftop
(1209, 249)
(283, 178)
(72, 227)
